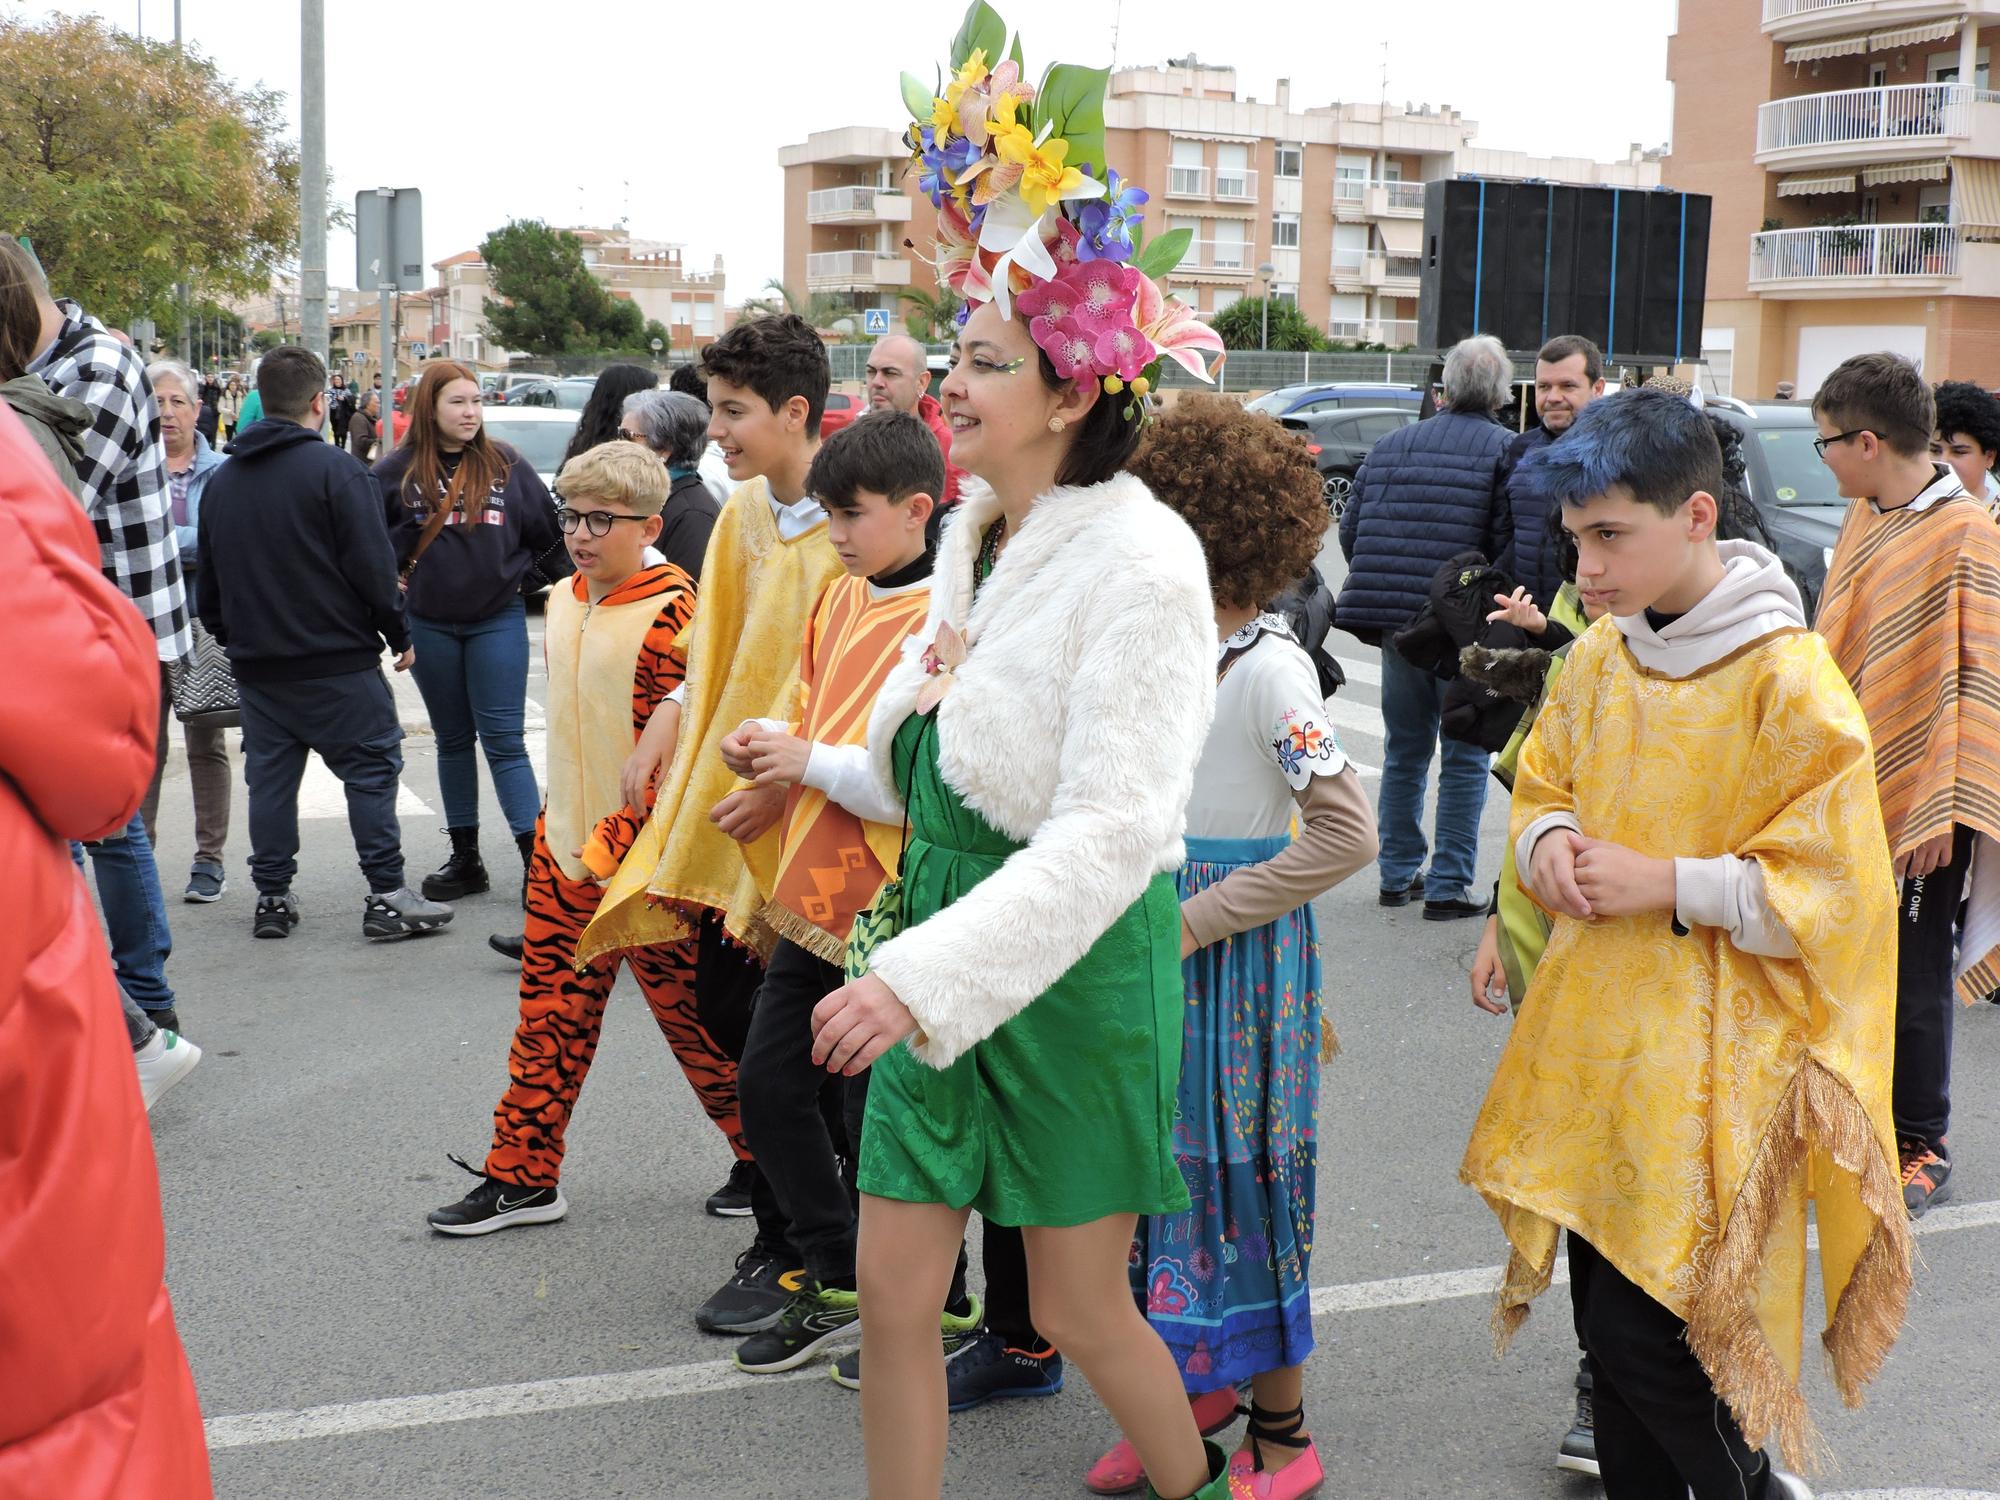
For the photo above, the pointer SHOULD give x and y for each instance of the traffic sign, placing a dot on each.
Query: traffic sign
(875, 321)
(389, 239)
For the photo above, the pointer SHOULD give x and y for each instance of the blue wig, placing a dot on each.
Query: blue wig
(1651, 443)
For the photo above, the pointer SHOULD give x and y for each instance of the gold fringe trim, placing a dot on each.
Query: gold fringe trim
(1981, 980)
(1818, 1110)
(794, 928)
(1329, 1040)
(1520, 1284)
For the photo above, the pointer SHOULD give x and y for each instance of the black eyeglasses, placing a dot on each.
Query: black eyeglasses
(1820, 445)
(597, 522)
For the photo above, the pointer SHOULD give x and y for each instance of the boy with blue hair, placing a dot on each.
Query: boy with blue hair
(1704, 1045)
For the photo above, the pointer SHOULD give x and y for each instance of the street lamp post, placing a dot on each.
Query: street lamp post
(1264, 274)
(657, 347)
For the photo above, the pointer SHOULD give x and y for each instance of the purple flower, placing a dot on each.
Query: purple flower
(1107, 222)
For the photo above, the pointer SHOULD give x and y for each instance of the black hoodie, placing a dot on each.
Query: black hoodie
(477, 564)
(297, 577)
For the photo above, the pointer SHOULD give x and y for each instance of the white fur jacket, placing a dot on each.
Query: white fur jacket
(1074, 726)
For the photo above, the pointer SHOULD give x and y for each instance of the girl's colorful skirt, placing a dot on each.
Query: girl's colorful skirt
(1226, 1282)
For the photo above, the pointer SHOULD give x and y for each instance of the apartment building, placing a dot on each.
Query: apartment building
(651, 273)
(1323, 206)
(355, 337)
(1852, 148)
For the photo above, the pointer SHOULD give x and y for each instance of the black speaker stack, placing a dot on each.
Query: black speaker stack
(1525, 261)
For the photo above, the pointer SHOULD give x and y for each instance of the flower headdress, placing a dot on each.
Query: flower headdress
(1025, 221)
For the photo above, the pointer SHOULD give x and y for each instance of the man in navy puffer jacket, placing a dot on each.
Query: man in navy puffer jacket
(1426, 494)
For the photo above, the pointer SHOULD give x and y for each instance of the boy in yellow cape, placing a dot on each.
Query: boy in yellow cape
(1705, 1043)
(706, 861)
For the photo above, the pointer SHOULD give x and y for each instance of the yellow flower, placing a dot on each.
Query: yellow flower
(944, 116)
(974, 69)
(1044, 178)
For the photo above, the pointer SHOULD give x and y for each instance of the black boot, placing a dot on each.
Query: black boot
(511, 945)
(464, 874)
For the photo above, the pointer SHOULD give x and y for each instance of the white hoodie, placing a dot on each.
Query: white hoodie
(1754, 599)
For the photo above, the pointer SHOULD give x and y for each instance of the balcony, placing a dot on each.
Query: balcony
(1802, 20)
(856, 205)
(1187, 182)
(1220, 185)
(1395, 200)
(1858, 259)
(1395, 332)
(1900, 122)
(1235, 185)
(1222, 257)
(855, 270)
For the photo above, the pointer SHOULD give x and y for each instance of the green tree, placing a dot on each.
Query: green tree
(821, 309)
(1241, 326)
(130, 165)
(546, 301)
(933, 315)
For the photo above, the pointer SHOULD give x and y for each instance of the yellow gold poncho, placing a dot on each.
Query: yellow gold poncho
(1676, 1101)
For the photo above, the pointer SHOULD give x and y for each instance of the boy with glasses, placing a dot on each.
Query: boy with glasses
(611, 638)
(1911, 613)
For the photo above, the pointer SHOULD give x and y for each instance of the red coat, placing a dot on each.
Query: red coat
(99, 1403)
(933, 418)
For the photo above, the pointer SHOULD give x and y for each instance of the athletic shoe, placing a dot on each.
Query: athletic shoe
(1578, 1450)
(401, 913)
(814, 1318)
(1926, 1175)
(1120, 1472)
(732, 1199)
(961, 1332)
(277, 914)
(1786, 1486)
(497, 1205)
(992, 1370)
(206, 882)
(1402, 897)
(508, 944)
(754, 1297)
(166, 1058)
(1450, 909)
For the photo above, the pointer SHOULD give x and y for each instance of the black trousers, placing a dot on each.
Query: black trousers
(1661, 1430)
(1926, 919)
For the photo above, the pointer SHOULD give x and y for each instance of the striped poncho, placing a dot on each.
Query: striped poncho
(1911, 613)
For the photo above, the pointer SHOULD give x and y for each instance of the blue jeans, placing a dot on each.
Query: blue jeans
(474, 678)
(135, 912)
(1411, 701)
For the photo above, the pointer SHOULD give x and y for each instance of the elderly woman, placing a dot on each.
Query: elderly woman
(675, 427)
(190, 462)
(1425, 495)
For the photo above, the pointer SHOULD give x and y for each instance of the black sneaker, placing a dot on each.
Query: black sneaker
(754, 1298)
(508, 944)
(991, 1370)
(1578, 1450)
(1449, 909)
(732, 1199)
(277, 914)
(499, 1205)
(814, 1318)
(1926, 1175)
(1402, 897)
(961, 1332)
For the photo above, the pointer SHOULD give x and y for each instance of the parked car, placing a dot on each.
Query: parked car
(540, 391)
(1793, 491)
(573, 391)
(1335, 395)
(538, 433)
(841, 409)
(1340, 439)
(502, 391)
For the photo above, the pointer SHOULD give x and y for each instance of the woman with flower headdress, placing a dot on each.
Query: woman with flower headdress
(1043, 738)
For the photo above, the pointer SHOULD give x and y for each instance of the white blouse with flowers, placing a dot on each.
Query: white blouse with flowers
(1270, 738)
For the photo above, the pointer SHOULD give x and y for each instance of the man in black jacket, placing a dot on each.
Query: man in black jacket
(1569, 375)
(299, 585)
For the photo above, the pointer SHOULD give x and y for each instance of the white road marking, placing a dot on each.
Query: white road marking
(322, 796)
(1367, 672)
(357, 1418)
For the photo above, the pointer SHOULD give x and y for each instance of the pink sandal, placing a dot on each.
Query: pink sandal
(1248, 1478)
(1119, 1472)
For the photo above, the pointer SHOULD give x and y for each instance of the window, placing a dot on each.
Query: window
(1290, 159)
(1350, 178)
(1231, 245)
(1350, 248)
(683, 312)
(1378, 425)
(1226, 297)
(1284, 231)
(1286, 294)
(1232, 172)
(704, 317)
(1187, 176)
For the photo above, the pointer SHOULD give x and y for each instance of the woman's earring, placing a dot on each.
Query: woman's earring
(1057, 424)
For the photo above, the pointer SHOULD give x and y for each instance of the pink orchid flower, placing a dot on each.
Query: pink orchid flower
(1171, 326)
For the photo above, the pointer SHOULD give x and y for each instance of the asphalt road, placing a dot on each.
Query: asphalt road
(342, 1350)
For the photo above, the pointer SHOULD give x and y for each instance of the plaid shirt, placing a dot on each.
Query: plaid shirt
(123, 472)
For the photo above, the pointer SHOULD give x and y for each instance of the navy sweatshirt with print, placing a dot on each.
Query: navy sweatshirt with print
(476, 566)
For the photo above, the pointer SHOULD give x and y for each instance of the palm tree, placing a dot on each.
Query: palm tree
(936, 311)
(821, 309)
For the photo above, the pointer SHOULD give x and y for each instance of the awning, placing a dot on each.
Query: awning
(1819, 182)
(1402, 236)
(1975, 191)
(1906, 171)
(1840, 46)
(1909, 36)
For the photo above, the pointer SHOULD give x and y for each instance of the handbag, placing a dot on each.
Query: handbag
(203, 688)
(884, 917)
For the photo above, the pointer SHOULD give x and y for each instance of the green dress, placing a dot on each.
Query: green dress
(1065, 1113)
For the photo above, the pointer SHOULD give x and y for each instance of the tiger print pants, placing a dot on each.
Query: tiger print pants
(562, 1014)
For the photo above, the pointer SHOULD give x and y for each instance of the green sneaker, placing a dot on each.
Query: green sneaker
(814, 1318)
(959, 1333)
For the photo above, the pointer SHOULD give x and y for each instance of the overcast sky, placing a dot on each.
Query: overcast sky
(670, 113)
